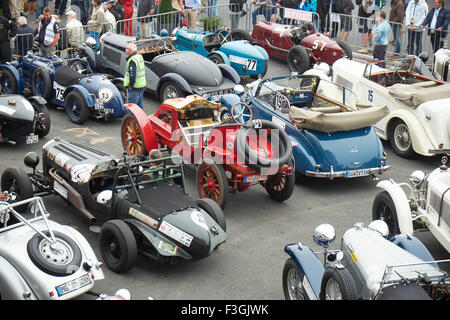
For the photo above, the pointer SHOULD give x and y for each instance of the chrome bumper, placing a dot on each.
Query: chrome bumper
(347, 174)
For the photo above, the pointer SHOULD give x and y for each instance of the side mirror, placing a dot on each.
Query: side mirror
(324, 235)
(31, 160)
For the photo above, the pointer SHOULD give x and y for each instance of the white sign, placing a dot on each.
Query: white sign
(59, 91)
(176, 233)
(249, 63)
(297, 15)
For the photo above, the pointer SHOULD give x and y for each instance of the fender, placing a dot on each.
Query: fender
(229, 100)
(229, 72)
(262, 51)
(12, 284)
(309, 264)
(83, 91)
(115, 80)
(150, 139)
(225, 58)
(179, 80)
(155, 238)
(420, 140)
(16, 74)
(38, 99)
(303, 159)
(401, 205)
(413, 246)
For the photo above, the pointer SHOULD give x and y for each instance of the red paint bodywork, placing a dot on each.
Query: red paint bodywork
(277, 35)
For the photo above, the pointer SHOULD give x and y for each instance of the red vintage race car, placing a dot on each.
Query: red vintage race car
(230, 156)
(299, 44)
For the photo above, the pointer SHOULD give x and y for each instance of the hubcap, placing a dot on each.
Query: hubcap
(332, 290)
(402, 137)
(170, 92)
(58, 252)
(294, 285)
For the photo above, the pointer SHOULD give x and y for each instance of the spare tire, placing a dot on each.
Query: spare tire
(41, 83)
(248, 155)
(214, 210)
(8, 81)
(63, 261)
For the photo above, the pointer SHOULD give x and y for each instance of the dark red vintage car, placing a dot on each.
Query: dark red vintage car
(299, 44)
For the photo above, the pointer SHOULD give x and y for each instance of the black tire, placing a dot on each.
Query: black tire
(42, 129)
(293, 277)
(345, 283)
(123, 91)
(217, 192)
(281, 188)
(132, 137)
(298, 59)
(214, 211)
(346, 48)
(56, 264)
(16, 180)
(400, 139)
(76, 107)
(8, 81)
(46, 90)
(169, 90)
(216, 58)
(383, 208)
(239, 34)
(118, 246)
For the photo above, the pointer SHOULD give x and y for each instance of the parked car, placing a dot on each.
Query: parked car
(418, 105)
(368, 266)
(170, 74)
(331, 137)
(230, 156)
(22, 120)
(41, 259)
(70, 84)
(298, 44)
(141, 204)
(423, 204)
(221, 47)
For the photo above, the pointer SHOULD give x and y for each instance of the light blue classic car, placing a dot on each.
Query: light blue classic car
(245, 58)
(330, 139)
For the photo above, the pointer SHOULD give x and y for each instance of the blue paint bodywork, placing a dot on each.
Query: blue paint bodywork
(240, 54)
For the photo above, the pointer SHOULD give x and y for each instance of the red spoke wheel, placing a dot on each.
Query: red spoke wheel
(280, 186)
(132, 137)
(212, 182)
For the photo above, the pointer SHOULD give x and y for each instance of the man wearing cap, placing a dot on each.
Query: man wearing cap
(48, 33)
(74, 28)
(134, 78)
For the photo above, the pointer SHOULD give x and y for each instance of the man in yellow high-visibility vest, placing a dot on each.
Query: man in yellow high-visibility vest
(134, 78)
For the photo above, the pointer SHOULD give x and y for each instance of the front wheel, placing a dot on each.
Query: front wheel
(214, 211)
(212, 182)
(216, 58)
(169, 90)
(16, 180)
(383, 208)
(76, 108)
(346, 49)
(338, 284)
(281, 186)
(132, 137)
(42, 126)
(292, 282)
(298, 59)
(400, 139)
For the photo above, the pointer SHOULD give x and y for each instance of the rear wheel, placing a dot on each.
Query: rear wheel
(346, 48)
(76, 108)
(169, 90)
(239, 34)
(292, 281)
(42, 127)
(400, 139)
(118, 246)
(214, 211)
(212, 182)
(383, 208)
(8, 83)
(216, 58)
(279, 186)
(16, 180)
(338, 284)
(132, 137)
(298, 59)
(41, 83)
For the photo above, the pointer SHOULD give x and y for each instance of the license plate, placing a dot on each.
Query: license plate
(255, 178)
(32, 139)
(60, 189)
(73, 285)
(98, 105)
(357, 173)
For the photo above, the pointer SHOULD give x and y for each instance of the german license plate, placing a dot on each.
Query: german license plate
(73, 285)
(258, 177)
(357, 173)
(98, 105)
(32, 139)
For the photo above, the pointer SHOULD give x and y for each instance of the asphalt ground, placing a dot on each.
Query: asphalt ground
(249, 265)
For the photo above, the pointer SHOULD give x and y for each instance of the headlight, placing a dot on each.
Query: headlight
(105, 95)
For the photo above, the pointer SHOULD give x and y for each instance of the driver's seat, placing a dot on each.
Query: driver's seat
(66, 76)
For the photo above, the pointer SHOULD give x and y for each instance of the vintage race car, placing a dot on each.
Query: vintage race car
(141, 204)
(22, 120)
(221, 47)
(419, 115)
(368, 266)
(300, 45)
(331, 138)
(441, 64)
(170, 74)
(230, 156)
(41, 259)
(424, 204)
(70, 84)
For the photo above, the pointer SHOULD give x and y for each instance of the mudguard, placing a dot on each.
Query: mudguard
(83, 91)
(115, 80)
(401, 203)
(229, 100)
(309, 264)
(179, 80)
(413, 246)
(229, 73)
(303, 159)
(12, 285)
(16, 74)
(262, 51)
(225, 58)
(38, 99)
(150, 139)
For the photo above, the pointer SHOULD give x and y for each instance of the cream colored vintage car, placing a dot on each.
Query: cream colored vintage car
(419, 117)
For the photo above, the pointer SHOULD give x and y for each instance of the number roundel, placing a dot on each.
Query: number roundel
(105, 94)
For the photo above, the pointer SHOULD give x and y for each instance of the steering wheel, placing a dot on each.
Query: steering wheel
(280, 102)
(223, 36)
(239, 114)
(78, 65)
(164, 46)
(398, 74)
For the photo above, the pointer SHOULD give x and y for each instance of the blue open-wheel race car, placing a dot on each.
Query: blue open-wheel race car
(67, 83)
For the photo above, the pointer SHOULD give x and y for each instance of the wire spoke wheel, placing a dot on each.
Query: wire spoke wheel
(295, 286)
(402, 137)
(132, 137)
(210, 187)
(333, 291)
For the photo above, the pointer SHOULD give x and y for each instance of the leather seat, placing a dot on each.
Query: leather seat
(66, 76)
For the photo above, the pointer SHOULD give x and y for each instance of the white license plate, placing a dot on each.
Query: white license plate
(73, 285)
(60, 189)
(32, 139)
(255, 178)
(357, 173)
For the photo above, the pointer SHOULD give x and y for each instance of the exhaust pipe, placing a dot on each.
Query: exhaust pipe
(73, 195)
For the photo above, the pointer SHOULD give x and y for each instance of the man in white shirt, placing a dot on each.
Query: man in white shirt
(189, 10)
(437, 22)
(75, 31)
(414, 15)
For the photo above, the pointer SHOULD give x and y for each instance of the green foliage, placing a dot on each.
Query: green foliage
(211, 23)
(165, 6)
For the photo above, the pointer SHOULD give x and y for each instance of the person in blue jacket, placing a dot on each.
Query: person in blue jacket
(437, 21)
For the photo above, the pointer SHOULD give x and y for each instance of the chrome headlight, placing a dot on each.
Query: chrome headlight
(417, 178)
(324, 235)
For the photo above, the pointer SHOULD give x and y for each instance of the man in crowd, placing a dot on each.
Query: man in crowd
(24, 39)
(381, 37)
(396, 17)
(346, 19)
(437, 22)
(75, 31)
(415, 14)
(266, 9)
(40, 5)
(236, 11)
(145, 9)
(366, 8)
(189, 7)
(115, 7)
(8, 29)
(96, 20)
(48, 33)
(134, 78)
